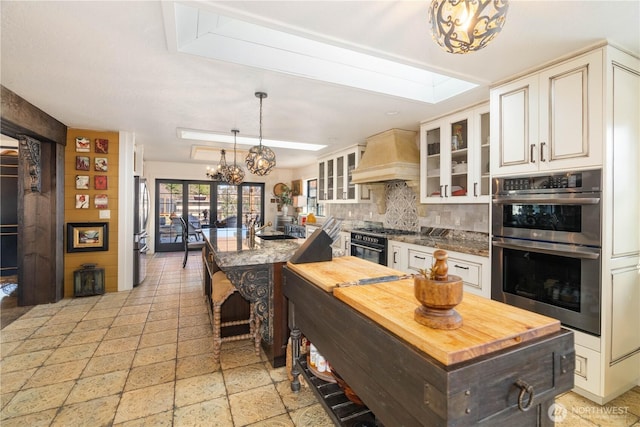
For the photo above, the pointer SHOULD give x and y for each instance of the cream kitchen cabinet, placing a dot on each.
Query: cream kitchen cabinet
(454, 158)
(551, 120)
(335, 177)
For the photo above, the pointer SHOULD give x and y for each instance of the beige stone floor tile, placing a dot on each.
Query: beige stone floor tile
(97, 412)
(195, 346)
(150, 375)
(49, 330)
(109, 363)
(43, 310)
(155, 315)
(67, 318)
(91, 325)
(135, 309)
(158, 338)
(13, 381)
(36, 344)
(37, 399)
(160, 353)
(129, 319)
(195, 365)
(16, 334)
(124, 331)
(84, 308)
(70, 353)
(6, 398)
(195, 320)
(92, 300)
(193, 332)
(7, 347)
(39, 419)
(109, 305)
(27, 323)
(102, 313)
(145, 402)
(163, 419)
(117, 345)
(163, 297)
(234, 355)
(211, 413)
(139, 300)
(83, 337)
(311, 416)
(50, 374)
(161, 325)
(293, 401)
(246, 377)
(279, 421)
(630, 401)
(20, 361)
(173, 305)
(193, 310)
(199, 389)
(581, 409)
(277, 374)
(89, 388)
(255, 405)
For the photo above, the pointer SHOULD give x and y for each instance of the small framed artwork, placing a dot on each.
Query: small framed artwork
(83, 145)
(101, 201)
(87, 236)
(82, 182)
(101, 164)
(82, 163)
(82, 201)
(102, 146)
(100, 182)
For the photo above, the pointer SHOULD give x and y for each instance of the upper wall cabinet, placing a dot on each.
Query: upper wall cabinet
(454, 158)
(335, 180)
(550, 120)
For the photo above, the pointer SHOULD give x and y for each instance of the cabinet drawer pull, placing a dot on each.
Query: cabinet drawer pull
(441, 195)
(461, 266)
(446, 187)
(419, 257)
(542, 144)
(533, 149)
(475, 189)
(524, 389)
(394, 257)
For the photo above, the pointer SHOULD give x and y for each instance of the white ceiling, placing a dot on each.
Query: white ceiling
(108, 66)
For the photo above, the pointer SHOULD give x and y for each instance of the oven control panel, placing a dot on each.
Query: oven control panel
(579, 181)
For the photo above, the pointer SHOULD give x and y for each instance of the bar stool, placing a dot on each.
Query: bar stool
(222, 289)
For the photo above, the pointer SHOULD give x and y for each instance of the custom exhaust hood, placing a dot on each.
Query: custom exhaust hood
(392, 155)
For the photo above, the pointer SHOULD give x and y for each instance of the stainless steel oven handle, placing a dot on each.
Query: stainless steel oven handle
(366, 247)
(550, 249)
(548, 200)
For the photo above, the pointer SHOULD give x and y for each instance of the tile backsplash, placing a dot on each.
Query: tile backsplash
(404, 211)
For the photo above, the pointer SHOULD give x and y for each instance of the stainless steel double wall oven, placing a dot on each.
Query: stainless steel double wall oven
(546, 244)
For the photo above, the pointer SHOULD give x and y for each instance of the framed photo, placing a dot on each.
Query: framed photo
(102, 146)
(82, 201)
(82, 163)
(83, 145)
(82, 182)
(87, 236)
(101, 164)
(100, 182)
(101, 201)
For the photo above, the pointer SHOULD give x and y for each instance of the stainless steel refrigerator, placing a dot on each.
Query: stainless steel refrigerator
(141, 216)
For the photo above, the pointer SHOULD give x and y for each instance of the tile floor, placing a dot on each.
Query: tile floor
(143, 358)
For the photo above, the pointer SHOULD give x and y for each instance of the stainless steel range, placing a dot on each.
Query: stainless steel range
(371, 243)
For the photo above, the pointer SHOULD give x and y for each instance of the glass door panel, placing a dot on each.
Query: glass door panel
(459, 159)
(433, 163)
(169, 195)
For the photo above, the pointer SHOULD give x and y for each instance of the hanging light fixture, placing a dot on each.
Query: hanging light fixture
(235, 174)
(463, 26)
(260, 159)
(219, 174)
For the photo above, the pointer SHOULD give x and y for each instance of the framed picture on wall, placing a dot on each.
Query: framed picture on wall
(101, 164)
(83, 145)
(87, 236)
(82, 201)
(101, 201)
(102, 146)
(100, 182)
(82, 163)
(82, 182)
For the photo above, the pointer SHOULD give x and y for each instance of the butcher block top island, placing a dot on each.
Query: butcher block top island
(503, 366)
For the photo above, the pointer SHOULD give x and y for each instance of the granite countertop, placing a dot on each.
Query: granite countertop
(466, 242)
(231, 247)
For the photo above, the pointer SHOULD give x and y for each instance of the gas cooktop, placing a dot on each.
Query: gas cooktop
(382, 231)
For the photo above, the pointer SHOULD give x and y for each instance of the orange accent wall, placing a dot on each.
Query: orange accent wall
(104, 259)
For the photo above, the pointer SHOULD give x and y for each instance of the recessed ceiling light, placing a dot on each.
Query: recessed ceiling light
(210, 34)
(203, 135)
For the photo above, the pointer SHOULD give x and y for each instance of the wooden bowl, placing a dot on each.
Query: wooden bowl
(348, 391)
(438, 299)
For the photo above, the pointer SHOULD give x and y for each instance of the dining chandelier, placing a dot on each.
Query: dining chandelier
(463, 26)
(219, 173)
(261, 159)
(235, 174)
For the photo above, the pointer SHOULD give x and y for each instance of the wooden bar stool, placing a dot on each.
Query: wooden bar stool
(222, 289)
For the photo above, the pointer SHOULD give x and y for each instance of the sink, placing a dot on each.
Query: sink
(275, 236)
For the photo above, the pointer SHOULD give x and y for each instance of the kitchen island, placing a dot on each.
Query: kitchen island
(504, 366)
(255, 269)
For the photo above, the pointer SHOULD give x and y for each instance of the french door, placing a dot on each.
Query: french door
(204, 204)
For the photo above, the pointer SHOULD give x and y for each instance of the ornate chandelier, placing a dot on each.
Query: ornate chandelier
(260, 160)
(463, 26)
(235, 174)
(219, 174)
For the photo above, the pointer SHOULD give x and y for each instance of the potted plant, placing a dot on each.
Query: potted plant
(439, 293)
(285, 200)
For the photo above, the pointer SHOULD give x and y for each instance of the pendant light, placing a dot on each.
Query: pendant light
(260, 160)
(235, 174)
(463, 26)
(219, 174)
